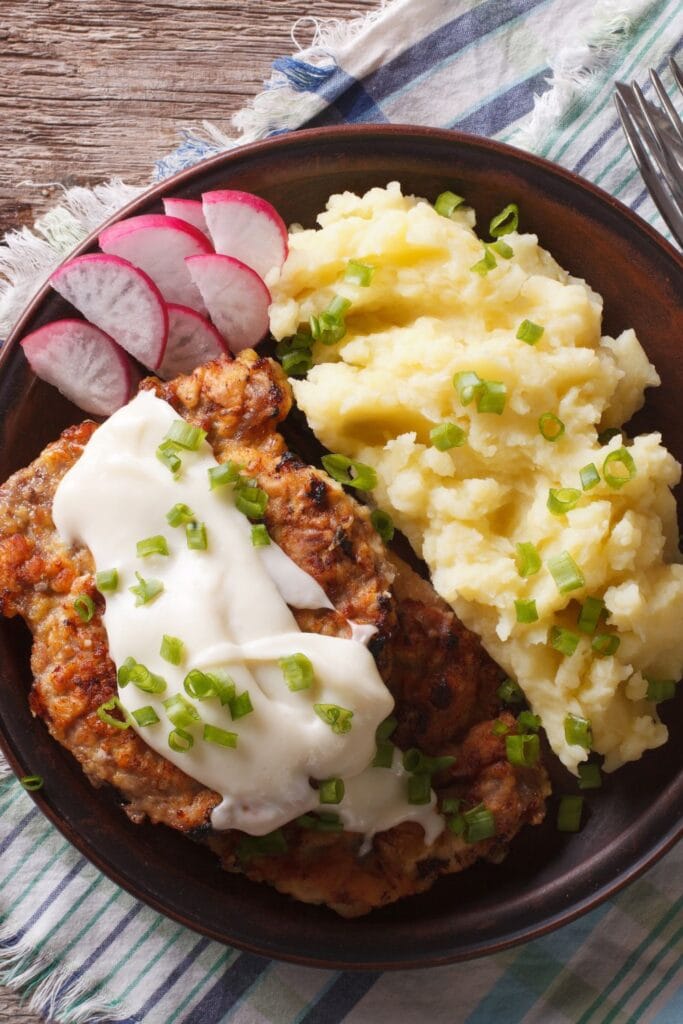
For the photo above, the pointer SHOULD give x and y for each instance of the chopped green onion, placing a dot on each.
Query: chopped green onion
(523, 750)
(123, 674)
(525, 610)
(250, 500)
(447, 202)
(145, 680)
(492, 397)
(384, 754)
(329, 327)
(500, 728)
(223, 685)
(179, 514)
(563, 640)
(146, 716)
(589, 476)
(167, 455)
(421, 764)
(589, 616)
(146, 590)
(32, 783)
(577, 731)
(447, 435)
(338, 307)
(339, 468)
(468, 384)
(227, 473)
(565, 572)
(569, 814)
(605, 644)
(185, 435)
(505, 221)
(107, 580)
(551, 426)
(660, 689)
(259, 536)
(172, 649)
(419, 789)
(530, 332)
(84, 606)
(324, 821)
(510, 692)
(528, 559)
(331, 791)
(386, 728)
(359, 273)
(383, 524)
(195, 535)
(486, 263)
(156, 545)
(528, 722)
(563, 499)
(457, 824)
(297, 364)
(261, 846)
(479, 824)
(180, 741)
(200, 685)
(503, 249)
(589, 776)
(212, 734)
(618, 468)
(338, 718)
(450, 805)
(240, 706)
(113, 704)
(298, 672)
(606, 436)
(181, 712)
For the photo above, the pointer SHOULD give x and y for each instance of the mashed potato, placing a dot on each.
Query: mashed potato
(376, 395)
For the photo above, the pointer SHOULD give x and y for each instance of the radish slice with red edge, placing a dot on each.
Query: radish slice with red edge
(189, 210)
(192, 340)
(158, 245)
(120, 299)
(246, 227)
(236, 297)
(82, 362)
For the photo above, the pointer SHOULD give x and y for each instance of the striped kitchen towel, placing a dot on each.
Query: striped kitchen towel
(537, 74)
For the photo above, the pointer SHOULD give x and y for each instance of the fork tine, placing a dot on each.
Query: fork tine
(676, 72)
(657, 146)
(667, 104)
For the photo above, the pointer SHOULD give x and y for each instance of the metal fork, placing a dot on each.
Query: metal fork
(655, 135)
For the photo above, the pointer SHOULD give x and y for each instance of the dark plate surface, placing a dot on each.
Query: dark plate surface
(549, 878)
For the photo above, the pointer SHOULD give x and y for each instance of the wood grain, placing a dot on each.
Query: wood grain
(91, 89)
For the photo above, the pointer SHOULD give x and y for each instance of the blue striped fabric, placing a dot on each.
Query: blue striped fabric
(82, 949)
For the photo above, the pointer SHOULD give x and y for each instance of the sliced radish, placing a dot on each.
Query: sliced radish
(158, 245)
(236, 297)
(192, 340)
(246, 227)
(189, 210)
(83, 362)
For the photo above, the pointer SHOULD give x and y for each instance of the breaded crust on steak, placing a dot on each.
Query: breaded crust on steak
(443, 682)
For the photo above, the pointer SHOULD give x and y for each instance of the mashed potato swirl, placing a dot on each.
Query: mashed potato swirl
(376, 395)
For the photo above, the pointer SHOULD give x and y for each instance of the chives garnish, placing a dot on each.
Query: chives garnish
(145, 590)
(359, 273)
(297, 363)
(168, 456)
(468, 384)
(259, 536)
(565, 572)
(338, 307)
(195, 535)
(563, 499)
(338, 718)
(172, 649)
(212, 734)
(298, 672)
(660, 689)
(185, 435)
(479, 824)
(523, 750)
(450, 805)
(569, 814)
(324, 821)
(419, 789)
(145, 680)
(618, 468)
(201, 685)
(510, 692)
(447, 435)
(146, 716)
(529, 332)
(179, 514)
(606, 435)
(589, 616)
(156, 545)
(505, 221)
(500, 728)
(240, 706)
(223, 685)
(384, 754)
(528, 559)
(386, 728)
(563, 640)
(421, 764)
(528, 722)
(525, 610)
(492, 397)
(486, 263)
(123, 674)
(551, 426)
(32, 783)
(589, 476)
(447, 202)
(84, 606)
(107, 580)
(329, 327)
(339, 467)
(331, 791)
(250, 500)
(605, 644)
(181, 712)
(227, 473)
(577, 731)
(261, 846)
(113, 704)
(457, 824)
(503, 249)
(383, 524)
(180, 741)
(589, 776)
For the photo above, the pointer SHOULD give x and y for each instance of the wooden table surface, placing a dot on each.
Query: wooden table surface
(92, 89)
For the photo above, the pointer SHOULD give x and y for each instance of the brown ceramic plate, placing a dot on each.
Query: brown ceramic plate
(549, 878)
